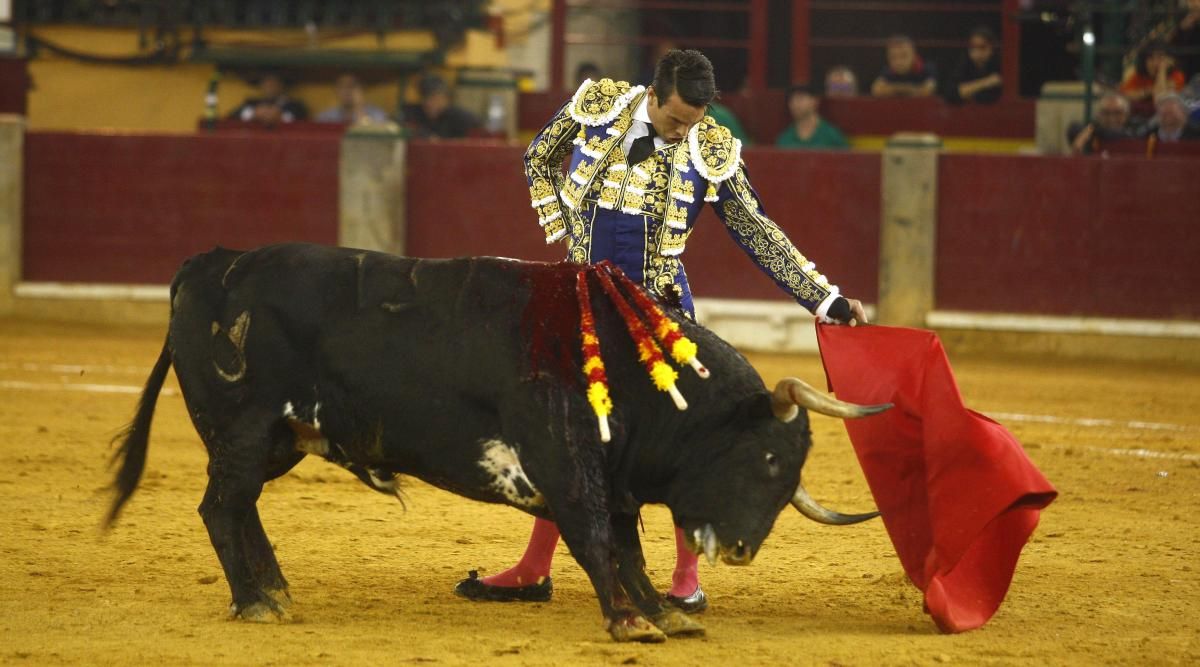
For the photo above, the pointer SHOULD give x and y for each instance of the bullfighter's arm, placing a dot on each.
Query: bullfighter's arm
(543, 171)
(740, 209)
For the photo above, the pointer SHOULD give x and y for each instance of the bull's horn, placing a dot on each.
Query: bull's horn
(813, 510)
(791, 394)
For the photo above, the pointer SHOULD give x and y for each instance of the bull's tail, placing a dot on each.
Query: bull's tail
(135, 438)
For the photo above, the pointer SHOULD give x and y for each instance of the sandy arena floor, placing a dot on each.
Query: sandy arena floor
(1112, 575)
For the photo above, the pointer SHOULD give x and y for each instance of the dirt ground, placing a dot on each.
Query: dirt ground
(1112, 575)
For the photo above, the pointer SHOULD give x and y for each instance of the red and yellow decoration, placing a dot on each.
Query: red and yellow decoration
(650, 353)
(593, 365)
(682, 349)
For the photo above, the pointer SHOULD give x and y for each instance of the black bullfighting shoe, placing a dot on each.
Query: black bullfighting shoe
(692, 604)
(473, 588)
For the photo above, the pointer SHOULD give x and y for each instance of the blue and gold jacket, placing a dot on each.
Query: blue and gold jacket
(664, 193)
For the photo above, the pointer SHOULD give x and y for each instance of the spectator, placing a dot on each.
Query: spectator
(585, 71)
(1186, 39)
(1171, 121)
(841, 82)
(435, 116)
(352, 108)
(271, 105)
(906, 74)
(1154, 74)
(726, 118)
(977, 78)
(1112, 122)
(808, 129)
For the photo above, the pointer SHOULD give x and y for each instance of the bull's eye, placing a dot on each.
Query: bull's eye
(772, 463)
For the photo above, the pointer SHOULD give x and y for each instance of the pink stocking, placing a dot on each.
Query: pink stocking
(685, 580)
(535, 564)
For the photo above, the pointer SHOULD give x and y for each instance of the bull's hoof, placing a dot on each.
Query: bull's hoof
(635, 629)
(280, 596)
(260, 612)
(675, 623)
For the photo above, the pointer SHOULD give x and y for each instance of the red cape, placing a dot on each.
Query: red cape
(958, 495)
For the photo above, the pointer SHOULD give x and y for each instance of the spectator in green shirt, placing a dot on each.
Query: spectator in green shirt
(726, 118)
(808, 129)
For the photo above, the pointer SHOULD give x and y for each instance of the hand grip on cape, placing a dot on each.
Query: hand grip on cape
(666, 331)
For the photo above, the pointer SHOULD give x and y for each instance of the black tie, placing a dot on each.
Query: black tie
(642, 147)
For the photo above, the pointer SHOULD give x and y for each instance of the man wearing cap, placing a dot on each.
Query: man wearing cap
(436, 116)
(643, 162)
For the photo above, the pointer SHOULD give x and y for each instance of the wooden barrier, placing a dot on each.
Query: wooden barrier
(1034, 235)
(129, 208)
(1069, 236)
(471, 198)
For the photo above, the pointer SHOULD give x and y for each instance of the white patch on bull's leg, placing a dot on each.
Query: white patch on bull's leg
(316, 419)
(309, 438)
(508, 478)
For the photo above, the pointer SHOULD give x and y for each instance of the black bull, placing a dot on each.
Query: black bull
(466, 373)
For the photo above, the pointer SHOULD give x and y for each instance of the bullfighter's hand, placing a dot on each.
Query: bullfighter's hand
(858, 315)
(846, 311)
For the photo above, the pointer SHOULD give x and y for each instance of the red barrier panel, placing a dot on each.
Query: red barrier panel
(468, 198)
(826, 202)
(1069, 236)
(130, 208)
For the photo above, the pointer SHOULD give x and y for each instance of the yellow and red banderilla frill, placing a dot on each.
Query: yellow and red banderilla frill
(650, 354)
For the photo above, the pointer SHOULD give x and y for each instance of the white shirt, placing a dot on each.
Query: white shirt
(642, 128)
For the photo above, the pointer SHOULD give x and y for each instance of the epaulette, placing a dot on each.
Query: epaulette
(715, 152)
(599, 102)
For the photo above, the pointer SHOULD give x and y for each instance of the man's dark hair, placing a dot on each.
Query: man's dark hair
(802, 89)
(1152, 47)
(431, 84)
(985, 33)
(687, 73)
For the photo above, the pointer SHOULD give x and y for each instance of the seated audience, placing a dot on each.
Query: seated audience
(726, 118)
(1111, 122)
(436, 116)
(808, 129)
(977, 78)
(841, 82)
(1154, 74)
(906, 74)
(352, 108)
(271, 105)
(1170, 123)
(585, 71)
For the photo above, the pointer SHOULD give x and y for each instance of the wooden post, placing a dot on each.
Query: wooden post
(558, 47)
(908, 235)
(801, 50)
(12, 166)
(1010, 49)
(372, 198)
(757, 62)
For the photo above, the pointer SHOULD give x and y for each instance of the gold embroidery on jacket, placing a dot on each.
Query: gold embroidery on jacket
(769, 246)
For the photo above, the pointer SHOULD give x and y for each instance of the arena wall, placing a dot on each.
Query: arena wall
(1098, 248)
